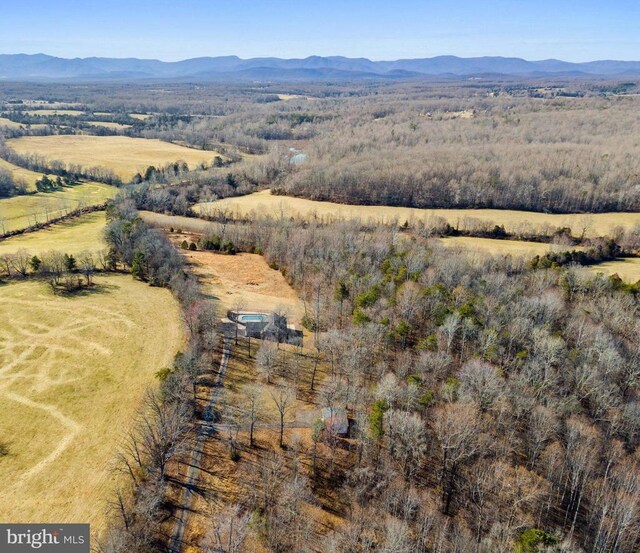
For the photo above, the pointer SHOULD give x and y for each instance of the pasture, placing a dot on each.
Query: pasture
(4, 122)
(73, 373)
(20, 174)
(73, 236)
(124, 155)
(628, 269)
(598, 224)
(109, 125)
(50, 112)
(514, 248)
(21, 212)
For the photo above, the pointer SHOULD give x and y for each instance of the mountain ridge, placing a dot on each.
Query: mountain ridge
(45, 67)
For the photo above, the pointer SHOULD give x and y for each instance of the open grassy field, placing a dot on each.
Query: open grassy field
(244, 278)
(72, 236)
(140, 116)
(515, 248)
(22, 211)
(4, 122)
(627, 269)
(232, 278)
(29, 177)
(263, 202)
(47, 112)
(109, 125)
(123, 154)
(72, 374)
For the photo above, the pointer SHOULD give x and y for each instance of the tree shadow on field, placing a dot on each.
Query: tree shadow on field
(86, 291)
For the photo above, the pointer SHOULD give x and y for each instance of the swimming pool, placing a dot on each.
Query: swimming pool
(251, 318)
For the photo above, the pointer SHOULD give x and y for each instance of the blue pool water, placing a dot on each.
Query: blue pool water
(250, 318)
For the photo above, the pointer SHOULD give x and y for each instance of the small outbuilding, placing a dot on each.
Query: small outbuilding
(335, 420)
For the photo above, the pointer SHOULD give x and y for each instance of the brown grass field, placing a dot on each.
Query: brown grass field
(627, 269)
(29, 177)
(47, 112)
(244, 278)
(79, 234)
(73, 372)
(123, 154)
(514, 248)
(4, 122)
(109, 125)
(598, 224)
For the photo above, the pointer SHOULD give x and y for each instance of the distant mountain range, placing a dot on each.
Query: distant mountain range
(43, 67)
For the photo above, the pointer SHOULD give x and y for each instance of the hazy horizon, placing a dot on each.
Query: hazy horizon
(574, 31)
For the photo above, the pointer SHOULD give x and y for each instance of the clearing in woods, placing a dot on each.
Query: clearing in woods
(84, 233)
(73, 370)
(598, 224)
(244, 280)
(124, 155)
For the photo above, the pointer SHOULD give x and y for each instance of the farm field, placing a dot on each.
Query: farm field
(264, 202)
(4, 122)
(29, 177)
(20, 212)
(516, 248)
(70, 385)
(627, 269)
(123, 154)
(109, 125)
(72, 236)
(187, 224)
(47, 112)
(140, 116)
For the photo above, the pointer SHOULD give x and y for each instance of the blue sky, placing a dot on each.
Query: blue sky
(170, 30)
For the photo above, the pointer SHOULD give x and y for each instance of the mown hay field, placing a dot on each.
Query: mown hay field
(73, 373)
(84, 233)
(598, 224)
(124, 155)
